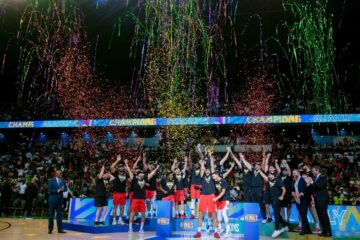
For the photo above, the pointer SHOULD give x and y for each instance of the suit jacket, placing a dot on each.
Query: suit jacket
(303, 188)
(320, 189)
(53, 189)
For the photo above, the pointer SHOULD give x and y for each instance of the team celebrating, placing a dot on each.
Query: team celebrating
(268, 185)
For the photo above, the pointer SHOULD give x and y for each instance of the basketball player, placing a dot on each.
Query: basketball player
(119, 190)
(206, 203)
(138, 202)
(179, 180)
(150, 191)
(222, 199)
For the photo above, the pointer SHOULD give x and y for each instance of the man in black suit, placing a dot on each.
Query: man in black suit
(56, 187)
(302, 196)
(319, 186)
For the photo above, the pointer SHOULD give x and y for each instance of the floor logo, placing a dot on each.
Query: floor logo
(163, 221)
(251, 217)
(187, 225)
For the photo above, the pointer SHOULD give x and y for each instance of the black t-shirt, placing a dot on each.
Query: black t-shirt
(100, 190)
(179, 181)
(152, 183)
(129, 184)
(168, 186)
(267, 185)
(256, 180)
(208, 185)
(287, 181)
(138, 188)
(275, 189)
(247, 178)
(195, 176)
(119, 183)
(186, 181)
(222, 184)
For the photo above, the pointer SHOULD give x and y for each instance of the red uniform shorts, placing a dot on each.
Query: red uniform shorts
(119, 198)
(195, 193)
(169, 198)
(220, 205)
(150, 195)
(179, 196)
(131, 196)
(138, 205)
(206, 203)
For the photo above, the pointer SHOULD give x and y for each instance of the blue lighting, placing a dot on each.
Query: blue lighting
(176, 121)
(343, 133)
(42, 138)
(109, 137)
(86, 138)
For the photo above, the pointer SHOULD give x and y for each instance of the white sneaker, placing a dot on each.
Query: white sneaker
(141, 231)
(227, 234)
(114, 221)
(120, 222)
(284, 229)
(276, 233)
(130, 230)
(264, 221)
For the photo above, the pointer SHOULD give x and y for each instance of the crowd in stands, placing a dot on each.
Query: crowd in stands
(26, 166)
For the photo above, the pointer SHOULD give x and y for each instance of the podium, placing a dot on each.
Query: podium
(251, 223)
(164, 214)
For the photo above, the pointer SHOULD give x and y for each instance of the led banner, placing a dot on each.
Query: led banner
(226, 120)
(345, 220)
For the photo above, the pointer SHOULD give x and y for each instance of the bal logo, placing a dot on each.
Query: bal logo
(251, 217)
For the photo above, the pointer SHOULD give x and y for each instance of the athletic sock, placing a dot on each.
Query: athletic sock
(228, 228)
(141, 226)
(193, 206)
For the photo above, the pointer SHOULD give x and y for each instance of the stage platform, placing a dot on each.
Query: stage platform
(185, 226)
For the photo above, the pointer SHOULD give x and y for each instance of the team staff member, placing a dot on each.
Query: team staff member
(247, 177)
(222, 199)
(256, 185)
(285, 175)
(179, 180)
(266, 167)
(206, 203)
(277, 193)
(119, 190)
(100, 199)
(167, 186)
(138, 187)
(150, 192)
(56, 187)
(319, 186)
(306, 172)
(302, 196)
